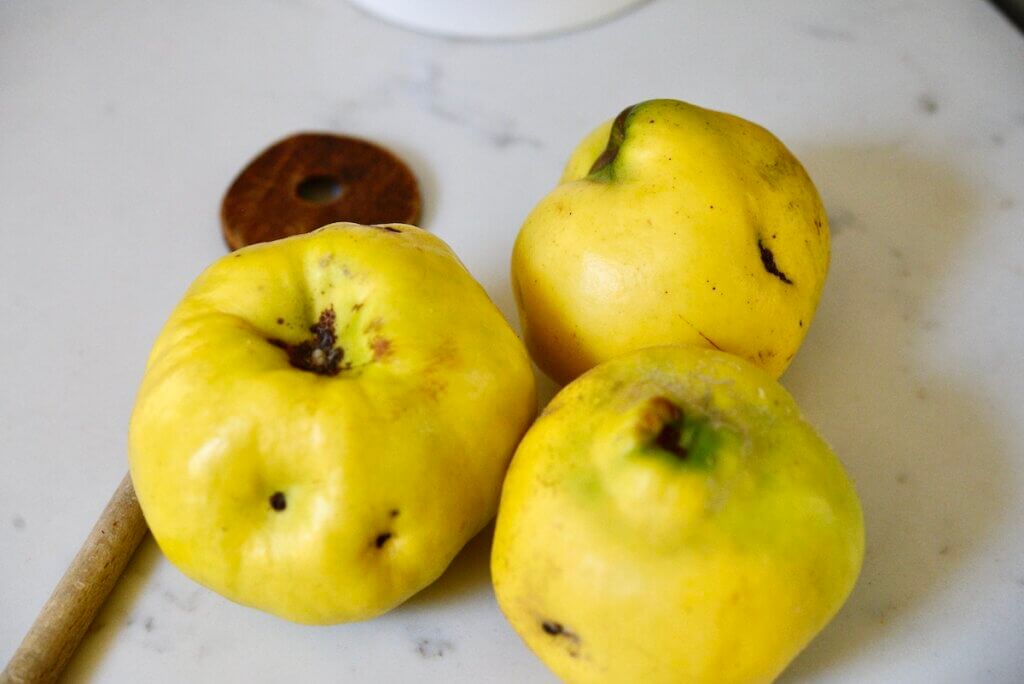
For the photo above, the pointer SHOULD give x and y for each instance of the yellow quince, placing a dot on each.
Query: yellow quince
(672, 224)
(671, 517)
(325, 420)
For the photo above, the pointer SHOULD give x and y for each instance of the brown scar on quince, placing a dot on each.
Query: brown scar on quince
(557, 629)
(708, 339)
(654, 414)
(768, 261)
(658, 424)
(318, 354)
(381, 347)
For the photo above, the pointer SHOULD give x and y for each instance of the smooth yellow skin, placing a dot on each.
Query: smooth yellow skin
(661, 246)
(412, 441)
(652, 568)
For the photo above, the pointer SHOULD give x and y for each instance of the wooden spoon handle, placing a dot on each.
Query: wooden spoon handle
(78, 596)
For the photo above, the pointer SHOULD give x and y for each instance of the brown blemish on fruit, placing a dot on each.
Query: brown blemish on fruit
(768, 260)
(708, 339)
(317, 355)
(393, 513)
(381, 539)
(280, 321)
(381, 347)
(698, 331)
(278, 501)
(616, 137)
(433, 387)
(781, 167)
(375, 324)
(558, 630)
(357, 306)
(552, 628)
(390, 229)
(656, 413)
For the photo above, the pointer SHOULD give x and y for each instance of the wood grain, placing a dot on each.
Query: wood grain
(78, 596)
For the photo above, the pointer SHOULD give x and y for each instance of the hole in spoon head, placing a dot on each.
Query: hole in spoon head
(319, 189)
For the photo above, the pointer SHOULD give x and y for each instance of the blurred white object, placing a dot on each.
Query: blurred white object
(501, 19)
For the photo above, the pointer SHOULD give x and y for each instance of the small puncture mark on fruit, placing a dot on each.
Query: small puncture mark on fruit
(381, 539)
(280, 321)
(556, 629)
(801, 322)
(278, 502)
(552, 628)
(768, 260)
(394, 513)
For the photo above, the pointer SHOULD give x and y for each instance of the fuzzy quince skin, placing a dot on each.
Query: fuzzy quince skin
(325, 421)
(672, 224)
(671, 517)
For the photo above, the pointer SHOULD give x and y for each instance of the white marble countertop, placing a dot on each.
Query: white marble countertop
(121, 124)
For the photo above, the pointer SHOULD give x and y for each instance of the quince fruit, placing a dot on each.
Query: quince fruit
(325, 421)
(672, 224)
(671, 517)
